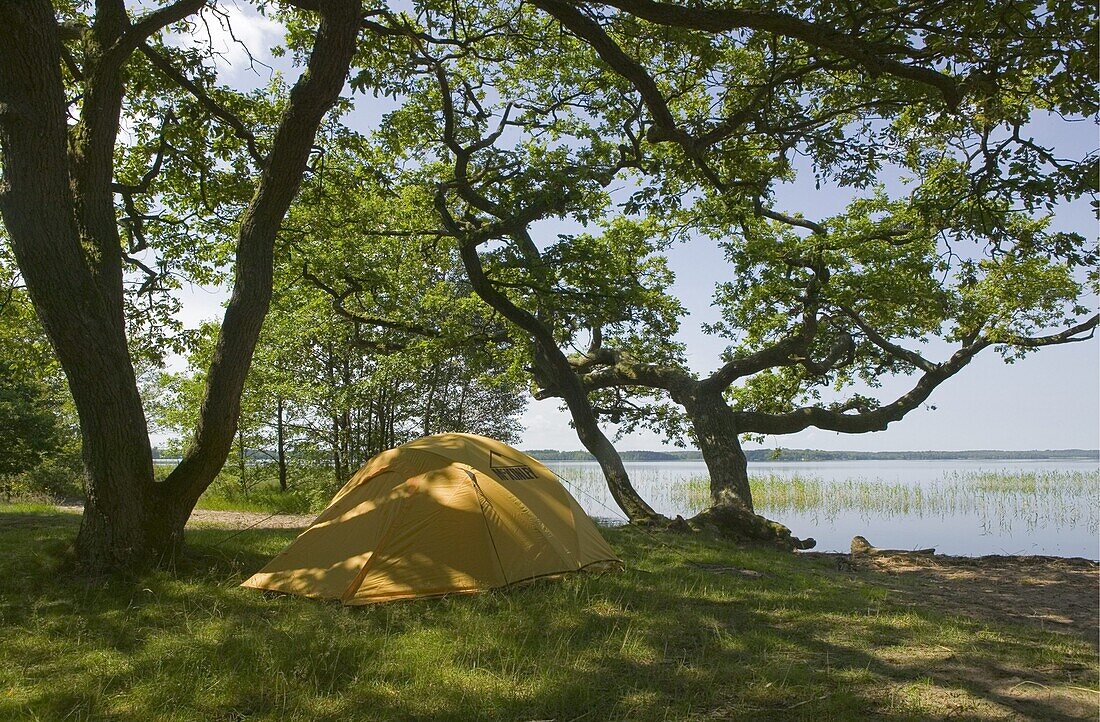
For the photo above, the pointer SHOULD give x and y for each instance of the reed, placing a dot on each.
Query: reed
(1043, 499)
(1037, 500)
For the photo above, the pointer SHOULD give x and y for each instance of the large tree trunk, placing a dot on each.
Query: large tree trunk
(57, 205)
(39, 213)
(715, 426)
(731, 512)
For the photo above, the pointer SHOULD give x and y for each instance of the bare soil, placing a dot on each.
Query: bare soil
(232, 519)
(1055, 593)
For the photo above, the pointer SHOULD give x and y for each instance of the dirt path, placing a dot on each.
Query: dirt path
(233, 519)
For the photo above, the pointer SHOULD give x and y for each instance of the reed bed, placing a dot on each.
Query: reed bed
(1046, 499)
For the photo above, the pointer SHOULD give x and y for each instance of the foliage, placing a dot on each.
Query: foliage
(404, 352)
(558, 152)
(39, 452)
(639, 128)
(27, 424)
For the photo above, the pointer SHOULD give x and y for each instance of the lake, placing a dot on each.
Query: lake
(1048, 507)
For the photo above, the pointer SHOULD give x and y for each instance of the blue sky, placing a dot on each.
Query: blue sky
(1048, 400)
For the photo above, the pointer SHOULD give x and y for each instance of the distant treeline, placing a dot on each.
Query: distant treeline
(781, 455)
(819, 455)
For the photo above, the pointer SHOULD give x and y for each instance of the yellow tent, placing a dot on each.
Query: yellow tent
(442, 514)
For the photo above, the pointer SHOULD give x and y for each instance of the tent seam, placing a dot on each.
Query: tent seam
(488, 530)
(357, 581)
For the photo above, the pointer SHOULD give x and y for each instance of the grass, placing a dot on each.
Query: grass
(262, 499)
(663, 640)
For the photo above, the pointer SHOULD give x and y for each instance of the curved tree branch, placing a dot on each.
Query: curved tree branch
(165, 66)
(878, 419)
(889, 347)
(148, 25)
(316, 91)
(877, 57)
(1070, 335)
(873, 420)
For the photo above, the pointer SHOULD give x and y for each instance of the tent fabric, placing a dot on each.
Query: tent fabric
(443, 514)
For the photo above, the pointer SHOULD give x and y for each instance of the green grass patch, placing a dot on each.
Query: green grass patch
(664, 640)
(261, 500)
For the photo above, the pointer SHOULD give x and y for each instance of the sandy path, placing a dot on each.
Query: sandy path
(232, 519)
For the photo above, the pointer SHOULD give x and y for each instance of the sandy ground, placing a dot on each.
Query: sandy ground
(1053, 593)
(232, 519)
(1050, 592)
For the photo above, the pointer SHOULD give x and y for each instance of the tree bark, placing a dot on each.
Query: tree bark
(715, 426)
(241, 459)
(552, 369)
(310, 99)
(337, 454)
(39, 211)
(595, 441)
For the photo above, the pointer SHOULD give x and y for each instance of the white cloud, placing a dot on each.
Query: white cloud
(242, 39)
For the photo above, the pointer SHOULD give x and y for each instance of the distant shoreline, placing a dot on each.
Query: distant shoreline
(758, 455)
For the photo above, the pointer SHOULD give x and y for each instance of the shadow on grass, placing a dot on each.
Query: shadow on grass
(661, 640)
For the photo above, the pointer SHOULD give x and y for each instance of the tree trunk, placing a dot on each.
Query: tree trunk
(597, 443)
(714, 423)
(370, 427)
(38, 209)
(337, 455)
(552, 370)
(280, 442)
(241, 459)
(731, 512)
(426, 427)
(316, 91)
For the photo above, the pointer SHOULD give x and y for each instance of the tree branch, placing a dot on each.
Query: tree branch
(875, 420)
(1070, 335)
(841, 354)
(164, 65)
(147, 26)
(312, 97)
(339, 305)
(590, 31)
(891, 348)
(875, 56)
(142, 186)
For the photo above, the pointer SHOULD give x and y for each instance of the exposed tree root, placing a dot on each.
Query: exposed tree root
(737, 522)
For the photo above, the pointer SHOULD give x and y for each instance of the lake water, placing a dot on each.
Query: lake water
(958, 507)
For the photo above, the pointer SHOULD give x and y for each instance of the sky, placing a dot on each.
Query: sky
(1048, 400)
